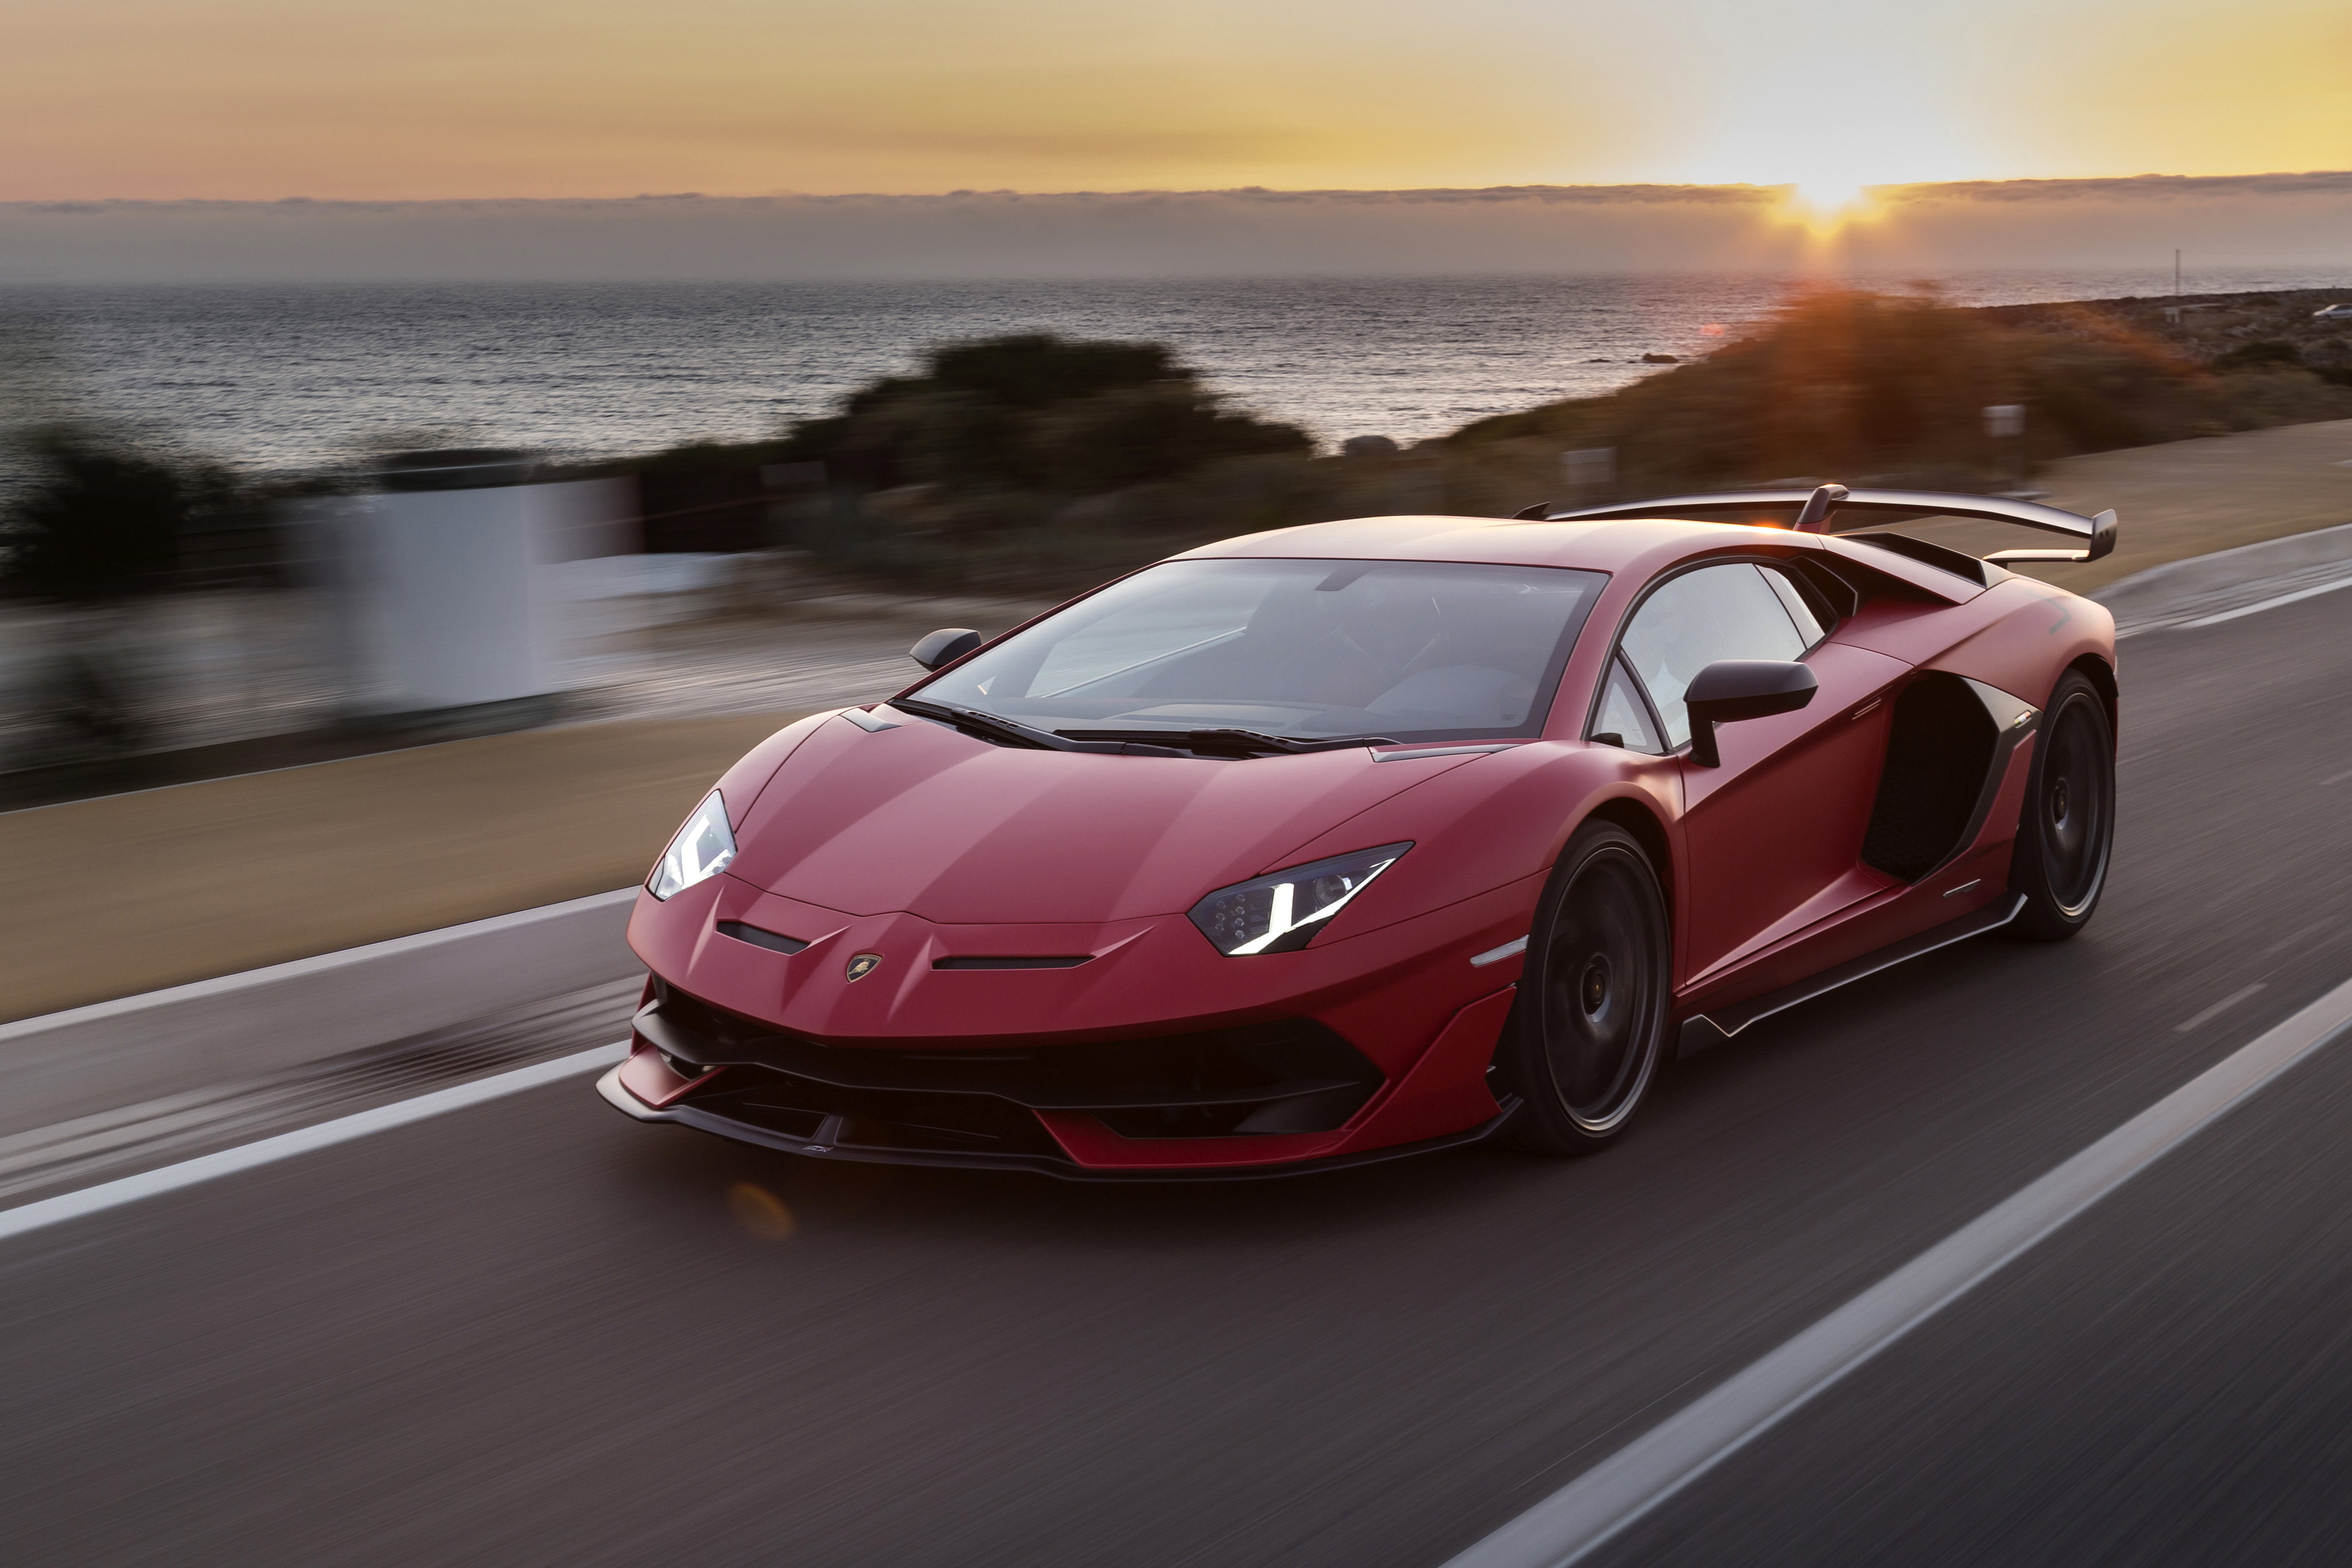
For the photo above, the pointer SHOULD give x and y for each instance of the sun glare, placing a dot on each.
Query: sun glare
(1828, 195)
(1827, 205)
(1830, 156)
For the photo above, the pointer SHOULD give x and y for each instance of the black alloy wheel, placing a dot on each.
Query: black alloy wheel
(1585, 1039)
(2066, 835)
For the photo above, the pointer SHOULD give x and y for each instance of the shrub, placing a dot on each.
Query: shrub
(1872, 389)
(1033, 413)
(103, 520)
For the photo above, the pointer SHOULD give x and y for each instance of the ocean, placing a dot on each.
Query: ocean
(296, 377)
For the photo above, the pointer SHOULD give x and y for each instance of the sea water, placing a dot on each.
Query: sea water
(288, 378)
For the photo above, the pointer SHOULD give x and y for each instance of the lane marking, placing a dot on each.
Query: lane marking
(301, 1141)
(2266, 604)
(2218, 1008)
(329, 963)
(2333, 778)
(1629, 1484)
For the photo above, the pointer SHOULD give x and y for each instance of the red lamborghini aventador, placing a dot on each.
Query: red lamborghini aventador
(1343, 842)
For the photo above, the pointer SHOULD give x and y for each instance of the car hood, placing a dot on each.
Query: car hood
(924, 819)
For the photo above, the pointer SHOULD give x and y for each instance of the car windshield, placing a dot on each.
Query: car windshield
(1304, 649)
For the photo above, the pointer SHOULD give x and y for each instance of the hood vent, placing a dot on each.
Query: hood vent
(774, 941)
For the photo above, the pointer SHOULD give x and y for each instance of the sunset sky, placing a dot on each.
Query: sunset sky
(257, 100)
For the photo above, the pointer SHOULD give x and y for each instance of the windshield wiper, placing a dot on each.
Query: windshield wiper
(988, 725)
(1227, 742)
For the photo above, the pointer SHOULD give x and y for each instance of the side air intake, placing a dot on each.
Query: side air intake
(1938, 756)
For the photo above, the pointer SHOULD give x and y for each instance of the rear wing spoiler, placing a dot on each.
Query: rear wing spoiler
(1808, 512)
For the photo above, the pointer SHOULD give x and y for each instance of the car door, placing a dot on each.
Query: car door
(1773, 836)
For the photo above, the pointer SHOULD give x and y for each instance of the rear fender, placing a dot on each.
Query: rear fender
(2040, 632)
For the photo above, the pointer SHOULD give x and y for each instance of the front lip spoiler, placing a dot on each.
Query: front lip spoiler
(610, 1086)
(616, 1095)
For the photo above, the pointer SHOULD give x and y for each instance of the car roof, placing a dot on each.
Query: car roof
(1615, 544)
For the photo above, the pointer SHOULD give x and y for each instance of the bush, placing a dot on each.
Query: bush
(1891, 391)
(101, 524)
(1033, 413)
(1138, 434)
(1037, 461)
(103, 520)
(2270, 354)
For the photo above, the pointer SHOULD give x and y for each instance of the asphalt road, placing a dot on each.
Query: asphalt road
(533, 1331)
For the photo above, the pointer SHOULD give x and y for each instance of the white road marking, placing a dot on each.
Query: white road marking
(2266, 604)
(2333, 778)
(246, 982)
(301, 1141)
(1627, 1486)
(2217, 1009)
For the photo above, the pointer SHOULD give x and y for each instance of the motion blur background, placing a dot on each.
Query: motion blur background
(437, 439)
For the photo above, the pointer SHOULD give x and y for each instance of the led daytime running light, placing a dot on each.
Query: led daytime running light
(1282, 912)
(700, 851)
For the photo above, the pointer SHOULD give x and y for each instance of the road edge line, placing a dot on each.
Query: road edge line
(1627, 1486)
(239, 981)
(49, 1211)
(2275, 602)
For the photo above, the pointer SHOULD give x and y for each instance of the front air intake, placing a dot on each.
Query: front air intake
(1285, 1077)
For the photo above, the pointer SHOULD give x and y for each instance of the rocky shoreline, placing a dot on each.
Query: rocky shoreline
(2215, 329)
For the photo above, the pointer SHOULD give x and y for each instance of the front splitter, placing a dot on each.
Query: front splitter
(617, 1095)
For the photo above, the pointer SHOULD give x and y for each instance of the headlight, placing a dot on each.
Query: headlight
(1284, 911)
(702, 850)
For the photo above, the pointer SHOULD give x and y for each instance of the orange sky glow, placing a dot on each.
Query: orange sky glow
(257, 100)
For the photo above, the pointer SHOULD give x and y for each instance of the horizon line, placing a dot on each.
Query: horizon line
(1641, 191)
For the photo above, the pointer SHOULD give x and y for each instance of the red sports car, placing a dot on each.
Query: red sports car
(1339, 842)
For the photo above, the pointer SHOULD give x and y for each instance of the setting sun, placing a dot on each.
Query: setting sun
(1833, 200)
(1823, 206)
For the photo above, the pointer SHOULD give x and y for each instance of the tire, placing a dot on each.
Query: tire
(2066, 834)
(1584, 1044)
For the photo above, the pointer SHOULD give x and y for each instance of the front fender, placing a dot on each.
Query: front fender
(1503, 818)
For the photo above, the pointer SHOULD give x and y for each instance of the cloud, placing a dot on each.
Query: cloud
(2247, 219)
(2139, 188)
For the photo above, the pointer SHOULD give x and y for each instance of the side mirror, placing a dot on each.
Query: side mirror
(1732, 689)
(944, 646)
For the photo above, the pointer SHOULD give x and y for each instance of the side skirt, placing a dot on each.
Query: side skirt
(1702, 1030)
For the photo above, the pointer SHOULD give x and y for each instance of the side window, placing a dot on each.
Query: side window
(1794, 600)
(1624, 714)
(1726, 611)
